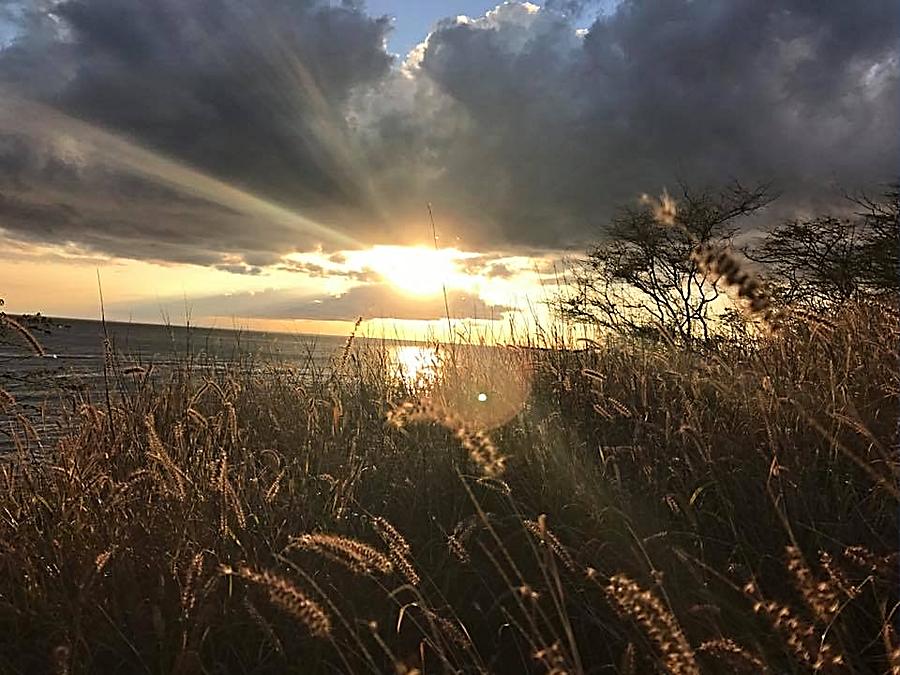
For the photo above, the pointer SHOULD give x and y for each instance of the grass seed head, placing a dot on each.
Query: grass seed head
(356, 556)
(23, 332)
(657, 622)
(288, 598)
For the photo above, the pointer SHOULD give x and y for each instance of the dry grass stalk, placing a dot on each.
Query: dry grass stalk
(229, 502)
(236, 509)
(447, 628)
(134, 479)
(553, 659)
(288, 598)
(479, 445)
(733, 655)
(495, 484)
(648, 611)
(548, 539)
(61, 659)
(891, 646)
(24, 333)
(231, 417)
(356, 556)
(821, 596)
(398, 548)
(158, 453)
(619, 407)
(7, 400)
(800, 636)
(102, 560)
(189, 587)
(265, 627)
(629, 661)
(345, 352)
(456, 542)
(274, 488)
(197, 418)
(882, 566)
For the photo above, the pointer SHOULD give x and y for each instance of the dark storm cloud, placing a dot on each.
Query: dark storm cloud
(369, 301)
(521, 130)
(534, 132)
(248, 92)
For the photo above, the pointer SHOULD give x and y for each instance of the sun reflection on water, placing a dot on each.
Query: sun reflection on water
(482, 386)
(417, 365)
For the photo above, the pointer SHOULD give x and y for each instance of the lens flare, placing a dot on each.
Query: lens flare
(486, 387)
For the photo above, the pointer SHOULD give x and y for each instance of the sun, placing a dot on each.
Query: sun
(417, 270)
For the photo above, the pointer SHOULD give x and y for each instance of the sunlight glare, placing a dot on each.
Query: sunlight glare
(417, 270)
(416, 363)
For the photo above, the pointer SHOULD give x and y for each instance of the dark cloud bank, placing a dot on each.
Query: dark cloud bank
(368, 301)
(522, 131)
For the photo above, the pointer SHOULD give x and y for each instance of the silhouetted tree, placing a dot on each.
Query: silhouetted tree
(641, 280)
(881, 241)
(826, 260)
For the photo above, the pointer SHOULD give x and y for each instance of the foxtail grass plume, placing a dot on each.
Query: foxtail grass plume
(447, 628)
(801, 637)
(821, 596)
(264, 626)
(356, 556)
(883, 566)
(229, 502)
(479, 445)
(719, 263)
(287, 597)
(545, 536)
(159, 454)
(398, 548)
(731, 654)
(664, 208)
(456, 541)
(189, 585)
(658, 623)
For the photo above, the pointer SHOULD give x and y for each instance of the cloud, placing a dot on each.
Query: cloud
(337, 269)
(383, 301)
(520, 124)
(370, 301)
(263, 127)
(249, 93)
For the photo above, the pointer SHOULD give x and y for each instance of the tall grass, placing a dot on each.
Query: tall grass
(656, 510)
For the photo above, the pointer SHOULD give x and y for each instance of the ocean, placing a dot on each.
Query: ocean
(75, 353)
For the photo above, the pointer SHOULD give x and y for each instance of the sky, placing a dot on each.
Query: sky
(414, 20)
(271, 162)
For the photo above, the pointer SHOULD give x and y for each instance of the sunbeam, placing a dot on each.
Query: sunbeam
(41, 122)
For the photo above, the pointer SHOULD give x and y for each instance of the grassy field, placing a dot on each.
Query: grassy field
(628, 508)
